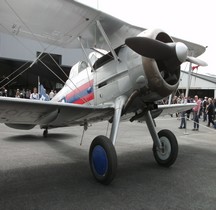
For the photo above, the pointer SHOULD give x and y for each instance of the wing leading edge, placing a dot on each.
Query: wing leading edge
(174, 108)
(54, 114)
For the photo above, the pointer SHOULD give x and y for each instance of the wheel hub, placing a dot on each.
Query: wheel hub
(99, 160)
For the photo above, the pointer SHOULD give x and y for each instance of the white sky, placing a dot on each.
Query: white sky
(192, 20)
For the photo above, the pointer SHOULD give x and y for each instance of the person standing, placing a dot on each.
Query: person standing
(34, 95)
(214, 103)
(28, 93)
(17, 93)
(204, 105)
(196, 111)
(183, 121)
(210, 112)
(51, 94)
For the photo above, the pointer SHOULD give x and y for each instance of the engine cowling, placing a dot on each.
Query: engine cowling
(161, 80)
(161, 58)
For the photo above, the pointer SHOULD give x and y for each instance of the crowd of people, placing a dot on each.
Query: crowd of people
(28, 94)
(205, 109)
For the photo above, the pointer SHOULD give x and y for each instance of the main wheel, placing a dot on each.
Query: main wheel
(169, 152)
(103, 159)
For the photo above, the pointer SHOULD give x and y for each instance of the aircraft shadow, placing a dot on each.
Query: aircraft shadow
(55, 141)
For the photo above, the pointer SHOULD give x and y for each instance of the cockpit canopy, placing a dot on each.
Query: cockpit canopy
(82, 65)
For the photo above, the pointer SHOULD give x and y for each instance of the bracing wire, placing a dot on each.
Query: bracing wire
(7, 77)
(44, 49)
(65, 75)
(16, 76)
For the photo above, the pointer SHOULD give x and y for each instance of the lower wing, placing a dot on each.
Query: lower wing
(174, 108)
(26, 113)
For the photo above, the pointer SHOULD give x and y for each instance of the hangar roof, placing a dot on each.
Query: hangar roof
(209, 78)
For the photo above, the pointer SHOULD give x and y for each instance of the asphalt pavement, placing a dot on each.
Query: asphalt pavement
(53, 173)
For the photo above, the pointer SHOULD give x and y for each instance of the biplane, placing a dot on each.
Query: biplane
(128, 70)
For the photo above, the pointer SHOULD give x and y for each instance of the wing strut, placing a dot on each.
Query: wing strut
(189, 79)
(87, 58)
(100, 27)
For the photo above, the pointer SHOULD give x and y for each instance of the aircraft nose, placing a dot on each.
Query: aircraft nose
(173, 54)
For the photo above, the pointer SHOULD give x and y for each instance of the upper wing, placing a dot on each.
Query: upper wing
(56, 114)
(174, 108)
(62, 22)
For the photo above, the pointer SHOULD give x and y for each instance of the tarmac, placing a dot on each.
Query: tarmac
(53, 173)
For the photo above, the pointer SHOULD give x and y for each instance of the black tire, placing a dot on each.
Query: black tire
(103, 159)
(167, 156)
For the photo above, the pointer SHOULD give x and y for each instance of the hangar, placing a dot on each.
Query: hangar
(17, 56)
(53, 67)
(201, 85)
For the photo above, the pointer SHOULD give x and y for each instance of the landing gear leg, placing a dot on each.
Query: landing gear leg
(102, 153)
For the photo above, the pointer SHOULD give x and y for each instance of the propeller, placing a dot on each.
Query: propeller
(196, 61)
(151, 48)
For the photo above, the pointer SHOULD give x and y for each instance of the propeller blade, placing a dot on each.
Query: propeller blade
(196, 61)
(173, 54)
(150, 48)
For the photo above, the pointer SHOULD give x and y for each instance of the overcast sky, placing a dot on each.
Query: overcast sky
(192, 20)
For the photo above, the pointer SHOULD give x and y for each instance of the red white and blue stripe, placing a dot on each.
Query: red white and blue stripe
(81, 95)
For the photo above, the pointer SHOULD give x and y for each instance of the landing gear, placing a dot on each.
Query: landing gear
(167, 154)
(102, 154)
(103, 159)
(45, 133)
(165, 145)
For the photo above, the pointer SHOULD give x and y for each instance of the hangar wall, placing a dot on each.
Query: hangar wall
(202, 85)
(16, 52)
(18, 48)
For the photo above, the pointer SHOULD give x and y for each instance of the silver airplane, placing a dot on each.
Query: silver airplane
(127, 72)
